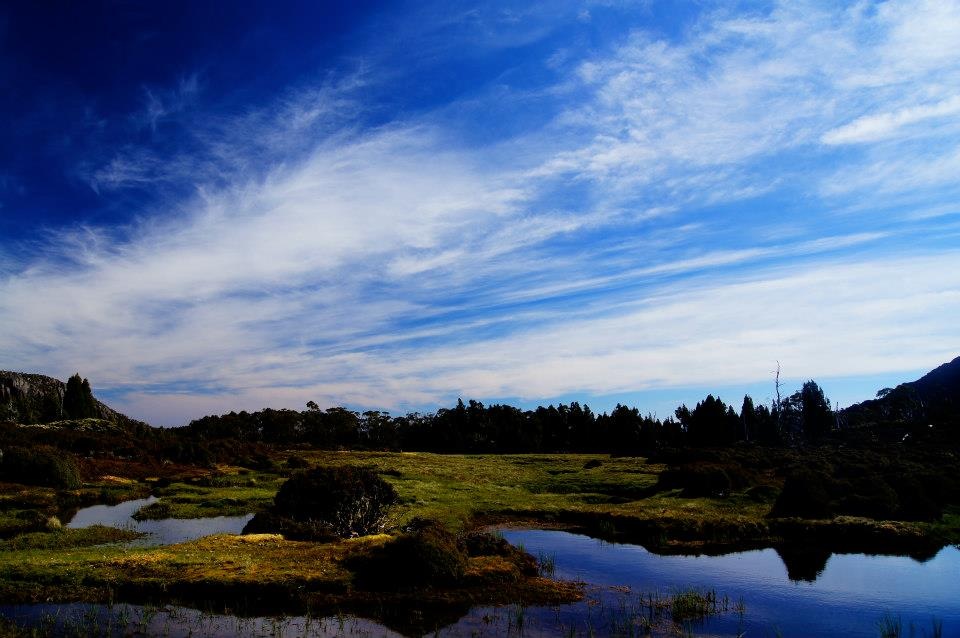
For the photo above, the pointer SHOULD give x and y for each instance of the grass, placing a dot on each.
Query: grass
(892, 627)
(27, 508)
(609, 497)
(227, 491)
(457, 489)
(615, 499)
(69, 538)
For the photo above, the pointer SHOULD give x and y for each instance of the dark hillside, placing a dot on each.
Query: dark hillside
(932, 399)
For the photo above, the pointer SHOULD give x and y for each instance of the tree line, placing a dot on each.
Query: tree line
(473, 427)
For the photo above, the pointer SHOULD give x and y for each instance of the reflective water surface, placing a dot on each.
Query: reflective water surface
(162, 532)
(850, 597)
(181, 622)
(829, 595)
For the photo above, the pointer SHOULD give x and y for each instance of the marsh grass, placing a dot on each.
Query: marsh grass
(890, 626)
(65, 538)
(546, 564)
(228, 491)
(114, 621)
(621, 612)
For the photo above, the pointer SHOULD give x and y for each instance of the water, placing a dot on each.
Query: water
(181, 622)
(818, 595)
(849, 597)
(161, 532)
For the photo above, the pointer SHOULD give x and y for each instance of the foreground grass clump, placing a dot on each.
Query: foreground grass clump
(427, 554)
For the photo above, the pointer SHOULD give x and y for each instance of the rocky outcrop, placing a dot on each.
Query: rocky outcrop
(36, 398)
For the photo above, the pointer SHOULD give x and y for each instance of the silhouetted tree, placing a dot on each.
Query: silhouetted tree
(710, 423)
(816, 414)
(78, 401)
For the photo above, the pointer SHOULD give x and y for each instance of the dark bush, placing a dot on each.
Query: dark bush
(39, 466)
(870, 496)
(918, 502)
(592, 463)
(698, 480)
(426, 555)
(270, 523)
(348, 501)
(762, 493)
(805, 494)
(295, 462)
(256, 462)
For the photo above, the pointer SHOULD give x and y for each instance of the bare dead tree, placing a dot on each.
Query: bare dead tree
(777, 407)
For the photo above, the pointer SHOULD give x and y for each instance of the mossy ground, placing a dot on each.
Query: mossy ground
(224, 491)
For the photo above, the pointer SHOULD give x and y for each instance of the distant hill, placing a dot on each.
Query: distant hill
(933, 398)
(36, 398)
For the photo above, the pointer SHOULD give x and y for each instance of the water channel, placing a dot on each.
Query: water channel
(159, 532)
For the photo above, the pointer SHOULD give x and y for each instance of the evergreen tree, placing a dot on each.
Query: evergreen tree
(815, 411)
(78, 401)
(748, 418)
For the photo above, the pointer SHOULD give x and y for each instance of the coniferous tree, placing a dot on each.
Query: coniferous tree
(815, 411)
(748, 418)
(78, 401)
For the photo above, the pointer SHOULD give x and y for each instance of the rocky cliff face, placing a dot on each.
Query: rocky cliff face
(35, 398)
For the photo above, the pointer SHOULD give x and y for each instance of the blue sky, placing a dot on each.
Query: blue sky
(213, 206)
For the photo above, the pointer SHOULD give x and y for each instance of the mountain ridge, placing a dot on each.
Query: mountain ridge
(934, 397)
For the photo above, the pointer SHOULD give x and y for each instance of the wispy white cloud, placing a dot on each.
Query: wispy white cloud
(162, 104)
(700, 118)
(871, 128)
(839, 319)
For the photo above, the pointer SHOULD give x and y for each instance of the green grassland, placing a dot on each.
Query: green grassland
(226, 491)
(616, 498)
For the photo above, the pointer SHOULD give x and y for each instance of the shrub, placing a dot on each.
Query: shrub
(325, 501)
(698, 480)
(804, 494)
(270, 523)
(871, 496)
(916, 502)
(295, 462)
(39, 466)
(426, 555)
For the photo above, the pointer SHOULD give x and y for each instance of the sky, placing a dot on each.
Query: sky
(213, 206)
